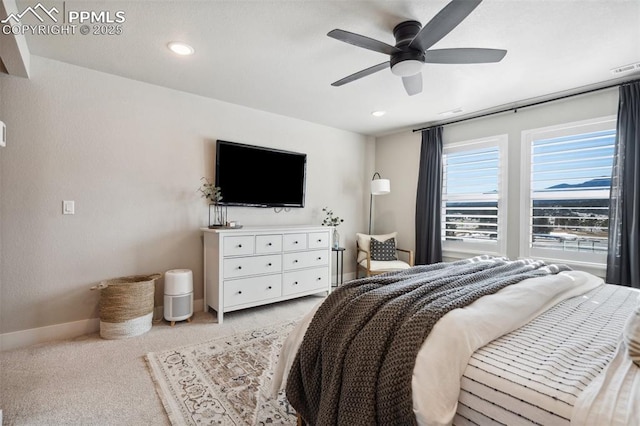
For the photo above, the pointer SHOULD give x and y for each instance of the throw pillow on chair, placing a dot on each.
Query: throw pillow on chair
(383, 250)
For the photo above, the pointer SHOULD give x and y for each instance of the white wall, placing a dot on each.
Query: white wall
(397, 158)
(131, 156)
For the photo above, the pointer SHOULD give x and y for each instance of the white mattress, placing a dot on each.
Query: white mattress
(567, 311)
(535, 374)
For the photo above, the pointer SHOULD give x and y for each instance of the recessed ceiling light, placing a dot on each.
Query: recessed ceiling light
(180, 48)
(378, 113)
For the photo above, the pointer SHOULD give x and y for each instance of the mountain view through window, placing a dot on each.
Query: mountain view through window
(570, 185)
(471, 194)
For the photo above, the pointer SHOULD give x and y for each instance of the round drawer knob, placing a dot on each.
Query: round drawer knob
(295, 242)
(295, 283)
(319, 278)
(240, 292)
(269, 244)
(269, 288)
(239, 245)
(295, 261)
(239, 267)
(269, 264)
(319, 258)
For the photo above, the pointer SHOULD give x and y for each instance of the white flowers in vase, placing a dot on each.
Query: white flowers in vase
(217, 212)
(332, 220)
(210, 191)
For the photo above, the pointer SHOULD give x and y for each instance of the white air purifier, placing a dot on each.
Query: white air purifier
(178, 295)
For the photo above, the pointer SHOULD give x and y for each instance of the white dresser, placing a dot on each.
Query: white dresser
(259, 265)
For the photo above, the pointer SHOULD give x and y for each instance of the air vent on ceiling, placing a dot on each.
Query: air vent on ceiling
(451, 112)
(626, 68)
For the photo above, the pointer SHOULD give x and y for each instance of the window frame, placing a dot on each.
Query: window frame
(596, 261)
(461, 249)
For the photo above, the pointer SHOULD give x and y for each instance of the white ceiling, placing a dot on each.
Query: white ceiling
(275, 55)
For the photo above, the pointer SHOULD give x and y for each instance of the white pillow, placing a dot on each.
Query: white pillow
(364, 242)
(632, 335)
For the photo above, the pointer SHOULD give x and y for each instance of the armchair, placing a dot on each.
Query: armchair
(380, 255)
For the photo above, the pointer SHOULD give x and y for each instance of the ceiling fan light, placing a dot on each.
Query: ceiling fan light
(407, 68)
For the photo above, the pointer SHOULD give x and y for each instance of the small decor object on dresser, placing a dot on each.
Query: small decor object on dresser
(217, 212)
(331, 220)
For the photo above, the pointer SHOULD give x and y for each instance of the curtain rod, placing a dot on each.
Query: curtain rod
(527, 105)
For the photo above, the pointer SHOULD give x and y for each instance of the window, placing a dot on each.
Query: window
(565, 188)
(473, 208)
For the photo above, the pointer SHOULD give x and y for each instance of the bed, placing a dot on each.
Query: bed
(552, 346)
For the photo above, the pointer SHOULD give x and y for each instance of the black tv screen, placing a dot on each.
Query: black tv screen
(250, 175)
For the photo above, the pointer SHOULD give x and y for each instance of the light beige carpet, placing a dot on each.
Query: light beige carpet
(92, 381)
(225, 381)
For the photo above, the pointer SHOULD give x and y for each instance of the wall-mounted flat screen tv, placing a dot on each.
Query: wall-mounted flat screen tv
(257, 176)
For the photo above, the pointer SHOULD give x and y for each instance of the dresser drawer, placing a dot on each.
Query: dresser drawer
(306, 280)
(254, 265)
(292, 242)
(268, 244)
(250, 290)
(305, 259)
(238, 245)
(318, 239)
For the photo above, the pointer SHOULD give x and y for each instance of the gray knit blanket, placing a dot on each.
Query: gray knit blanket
(355, 363)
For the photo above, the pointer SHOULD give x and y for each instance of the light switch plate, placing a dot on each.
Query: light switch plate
(3, 134)
(68, 207)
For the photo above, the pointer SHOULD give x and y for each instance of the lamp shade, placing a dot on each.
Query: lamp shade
(380, 186)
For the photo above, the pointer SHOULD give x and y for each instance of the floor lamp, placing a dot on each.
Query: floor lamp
(379, 186)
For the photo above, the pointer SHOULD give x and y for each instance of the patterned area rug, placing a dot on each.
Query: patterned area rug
(224, 381)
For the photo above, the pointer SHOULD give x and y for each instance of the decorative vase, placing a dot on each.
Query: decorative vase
(336, 238)
(217, 215)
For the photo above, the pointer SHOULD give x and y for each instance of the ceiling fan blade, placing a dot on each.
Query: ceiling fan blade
(362, 41)
(413, 84)
(361, 74)
(441, 24)
(463, 56)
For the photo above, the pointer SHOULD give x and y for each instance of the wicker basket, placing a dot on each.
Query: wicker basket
(126, 306)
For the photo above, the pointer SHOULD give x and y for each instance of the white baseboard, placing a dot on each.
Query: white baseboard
(69, 330)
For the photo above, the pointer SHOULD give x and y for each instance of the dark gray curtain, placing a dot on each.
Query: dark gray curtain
(623, 259)
(428, 198)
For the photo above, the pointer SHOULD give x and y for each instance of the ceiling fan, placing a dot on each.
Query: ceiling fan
(412, 47)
